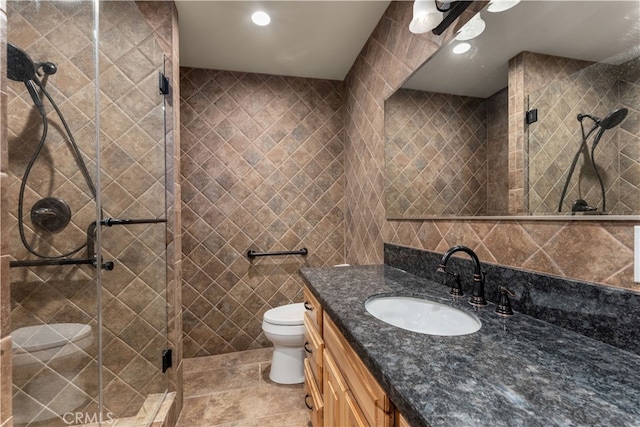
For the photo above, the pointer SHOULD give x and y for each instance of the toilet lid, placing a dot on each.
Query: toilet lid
(41, 337)
(287, 315)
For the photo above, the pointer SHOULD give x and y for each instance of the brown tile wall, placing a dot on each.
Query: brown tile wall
(135, 41)
(580, 87)
(436, 154)
(442, 132)
(518, 153)
(498, 153)
(628, 136)
(262, 169)
(563, 248)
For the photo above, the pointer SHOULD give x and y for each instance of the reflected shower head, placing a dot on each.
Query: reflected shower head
(612, 120)
(20, 67)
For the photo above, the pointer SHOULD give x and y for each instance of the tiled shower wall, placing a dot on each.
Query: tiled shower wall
(262, 169)
(580, 88)
(556, 247)
(134, 38)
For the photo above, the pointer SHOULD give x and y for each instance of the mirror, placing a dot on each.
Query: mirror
(540, 117)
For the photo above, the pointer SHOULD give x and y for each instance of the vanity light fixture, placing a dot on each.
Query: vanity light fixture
(501, 5)
(472, 29)
(261, 18)
(461, 48)
(435, 16)
(426, 16)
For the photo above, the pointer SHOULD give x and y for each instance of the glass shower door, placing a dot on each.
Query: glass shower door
(133, 199)
(89, 270)
(51, 204)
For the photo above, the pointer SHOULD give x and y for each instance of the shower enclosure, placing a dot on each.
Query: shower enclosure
(90, 125)
(583, 149)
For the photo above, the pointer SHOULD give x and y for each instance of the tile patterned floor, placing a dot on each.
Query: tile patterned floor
(234, 390)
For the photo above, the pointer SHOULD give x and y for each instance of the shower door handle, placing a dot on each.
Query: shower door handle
(91, 235)
(91, 249)
(114, 221)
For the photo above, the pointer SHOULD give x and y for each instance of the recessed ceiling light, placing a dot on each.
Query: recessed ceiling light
(461, 48)
(261, 18)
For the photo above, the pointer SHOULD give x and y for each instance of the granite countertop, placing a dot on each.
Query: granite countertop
(515, 371)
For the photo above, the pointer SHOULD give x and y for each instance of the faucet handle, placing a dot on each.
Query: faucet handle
(456, 289)
(504, 305)
(477, 297)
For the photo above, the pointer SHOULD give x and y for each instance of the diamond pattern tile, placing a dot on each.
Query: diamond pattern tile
(261, 170)
(414, 152)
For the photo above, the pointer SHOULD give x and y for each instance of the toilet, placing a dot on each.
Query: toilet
(63, 348)
(284, 327)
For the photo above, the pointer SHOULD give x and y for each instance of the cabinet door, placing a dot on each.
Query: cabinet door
(353, 416)
(374, 404)
(334, 392)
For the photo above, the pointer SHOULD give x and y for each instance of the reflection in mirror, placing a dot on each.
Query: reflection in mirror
(539, 117)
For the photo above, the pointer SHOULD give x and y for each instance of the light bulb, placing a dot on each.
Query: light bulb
(425, 16)
(261, 18)
(472, 29)
(501, 5)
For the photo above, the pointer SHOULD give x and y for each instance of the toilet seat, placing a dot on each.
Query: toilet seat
(42, 343)
(64, 347)
(30, 339)
(286, 315)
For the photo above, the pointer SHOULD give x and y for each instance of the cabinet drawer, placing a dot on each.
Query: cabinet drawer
(369, 396)
(313, 308)
(313, 346)
(312, 396)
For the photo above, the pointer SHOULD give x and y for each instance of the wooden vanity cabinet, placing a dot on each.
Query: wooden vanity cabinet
(348, 394)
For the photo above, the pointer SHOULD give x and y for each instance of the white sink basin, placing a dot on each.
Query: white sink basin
(422, 316)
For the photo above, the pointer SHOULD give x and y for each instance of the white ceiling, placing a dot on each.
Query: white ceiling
(317, 39)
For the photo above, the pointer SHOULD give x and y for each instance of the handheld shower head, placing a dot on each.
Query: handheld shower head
(20, 67)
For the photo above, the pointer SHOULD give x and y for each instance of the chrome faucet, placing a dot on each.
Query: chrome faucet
(477, 297)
